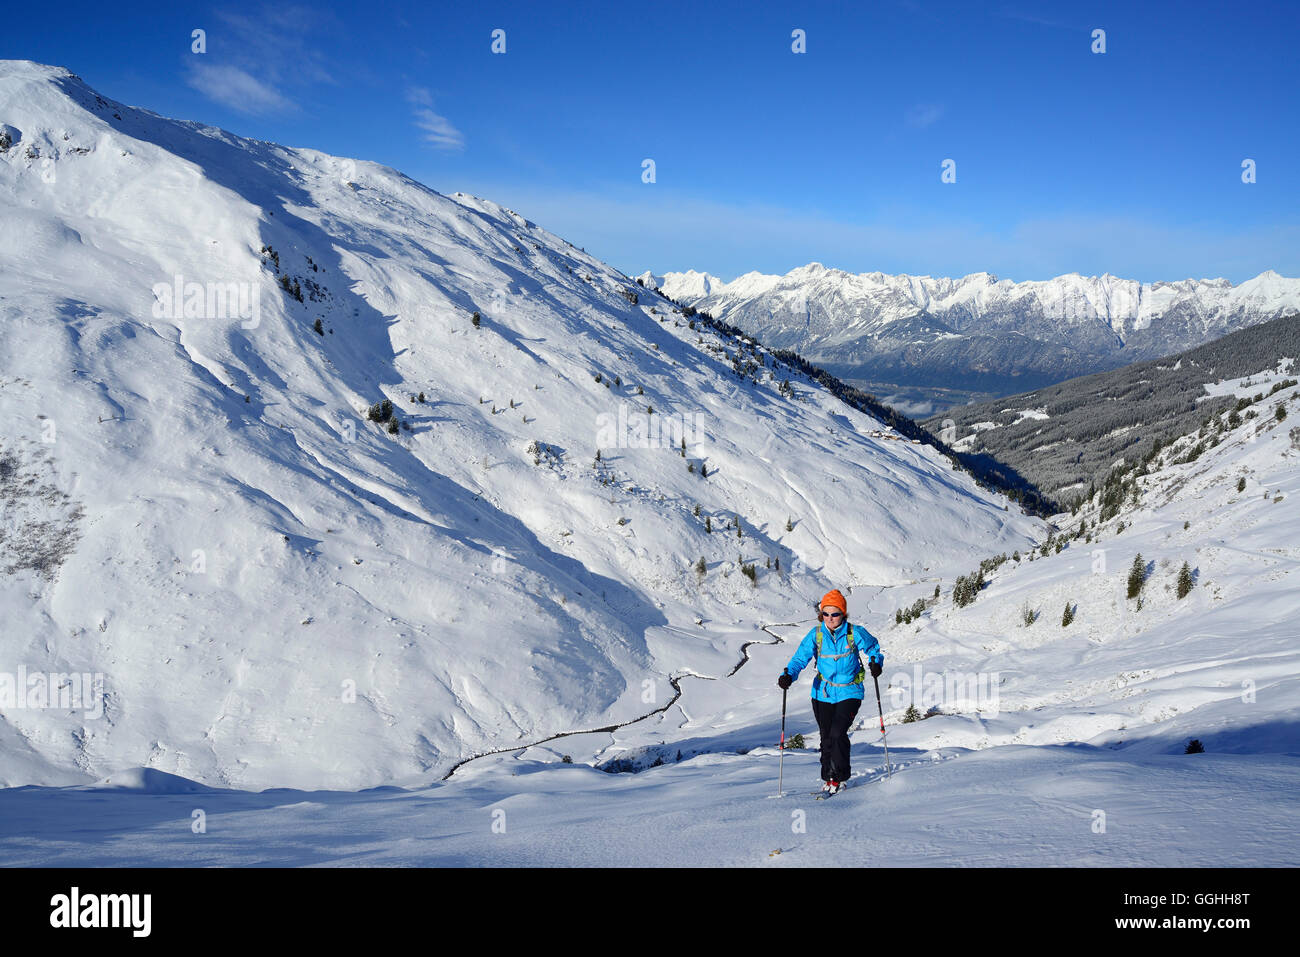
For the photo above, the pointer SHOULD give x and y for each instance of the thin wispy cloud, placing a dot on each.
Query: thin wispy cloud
(1035, 19)
(254, 59)
(230, 86)
(923, 115)
(438, 131)
(279, 43)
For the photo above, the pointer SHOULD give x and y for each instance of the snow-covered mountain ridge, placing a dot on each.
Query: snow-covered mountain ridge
(275, 589)
(978, 331)
(1124, 305)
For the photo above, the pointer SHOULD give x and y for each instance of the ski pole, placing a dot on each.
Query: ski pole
(888, 767)
(780, 774)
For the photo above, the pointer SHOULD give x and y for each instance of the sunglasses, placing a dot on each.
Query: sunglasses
(832, 614)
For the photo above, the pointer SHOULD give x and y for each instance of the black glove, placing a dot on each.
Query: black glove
(875, 668)
(785, 681)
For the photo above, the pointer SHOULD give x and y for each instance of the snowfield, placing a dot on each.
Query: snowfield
(294, 625)
(1007, 806)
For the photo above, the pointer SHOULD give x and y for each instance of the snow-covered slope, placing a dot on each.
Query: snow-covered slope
(277, 591)
(979, 330)
(1219, 664)
(1050, 744)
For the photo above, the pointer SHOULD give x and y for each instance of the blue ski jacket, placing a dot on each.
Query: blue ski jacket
(840, 674)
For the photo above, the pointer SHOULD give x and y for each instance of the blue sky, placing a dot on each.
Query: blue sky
(1127, 161)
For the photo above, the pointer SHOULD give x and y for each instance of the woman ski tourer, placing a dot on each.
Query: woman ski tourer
(835, 647)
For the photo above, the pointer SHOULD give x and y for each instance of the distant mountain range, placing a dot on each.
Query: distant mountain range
(925, 344)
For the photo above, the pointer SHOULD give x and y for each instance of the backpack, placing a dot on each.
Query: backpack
(859, 678)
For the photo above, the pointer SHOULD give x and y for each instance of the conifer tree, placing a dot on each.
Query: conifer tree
(1136, 576)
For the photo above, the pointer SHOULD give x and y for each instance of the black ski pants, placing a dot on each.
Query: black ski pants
(833, 720)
